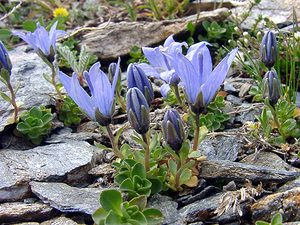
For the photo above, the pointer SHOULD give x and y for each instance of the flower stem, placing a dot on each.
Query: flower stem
(13, 101)
(276, 120)
(196, 132)
(121, 102)
(147, 151)
(177, 94)
(114, 145)
(177, 177)
(53, 81)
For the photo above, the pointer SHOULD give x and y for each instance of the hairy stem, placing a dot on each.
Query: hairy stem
(177, 94)
(53, 81)
(13, 101)
(196, 132)
(114, 145)
(147, 151)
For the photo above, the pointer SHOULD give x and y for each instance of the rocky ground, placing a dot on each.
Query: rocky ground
(60, 181)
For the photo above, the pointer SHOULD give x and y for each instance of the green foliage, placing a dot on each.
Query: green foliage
(115, 211)
(276, 220)
(78, 63)
(70, 113)
(131, 177)
(136, 55)
(217, 33)
(35, 123)
(214, 119)
(281, 117)
(179, 167)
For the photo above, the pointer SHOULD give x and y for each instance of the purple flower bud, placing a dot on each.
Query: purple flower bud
(172, 127)
(4, 59)
(268, 49)
(137, 110)
(112, 70)
(271, 87)
(136, 77)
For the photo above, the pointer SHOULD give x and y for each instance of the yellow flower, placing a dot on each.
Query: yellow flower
(60, 12)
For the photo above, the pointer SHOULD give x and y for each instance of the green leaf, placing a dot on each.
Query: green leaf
(5, 34)
(261, 223)
(127, 184)
(172, 167)
(29, 25)
(113, 218)
(156, 186)
(288, 126)
(185, 176)
(5, 97)
(140, 201)
(276, 219)
(111, 200)
(153, 216)
(99, 215)
(139, 170)
(184, 151)
(139, 218)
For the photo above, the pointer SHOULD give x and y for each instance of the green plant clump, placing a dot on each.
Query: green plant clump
(276, 220)
(70, 113)
(35, 124)
(115, 211)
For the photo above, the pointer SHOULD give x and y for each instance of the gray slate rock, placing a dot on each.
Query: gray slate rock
(167, 206)
(221, 147)
(117, 39)
(290, 185)
(239, 172)
(34, 90)
(60, 221)
(279, 11)
(22, 212)
(69, 162)
(285, 202)
(203, 210)
(267, 159)
(66, 198)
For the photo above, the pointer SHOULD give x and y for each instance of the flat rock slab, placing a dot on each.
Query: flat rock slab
(21, 212)
(279, 11)
(204, 210)
(60, 221)
(117, 39)
(267, 159)
(34, 90)
(66, 198)
(222, 147)
(68, 162)
(227, 170)
(167, 206)
(287, 202)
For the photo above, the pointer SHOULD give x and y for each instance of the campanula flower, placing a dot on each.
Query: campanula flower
(137, 110)
(160, 62)
(99, 106)
(42, 41)
(268, 49)
(172, 127)
(200, 82)
(271, 87)
(5, 62)
(136, 77)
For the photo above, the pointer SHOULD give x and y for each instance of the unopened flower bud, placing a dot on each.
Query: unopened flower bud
(268, 49)
(112, 70)
(271, 87)
(172, 127)
(4, 59)
(137, 110)
(136, 77)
